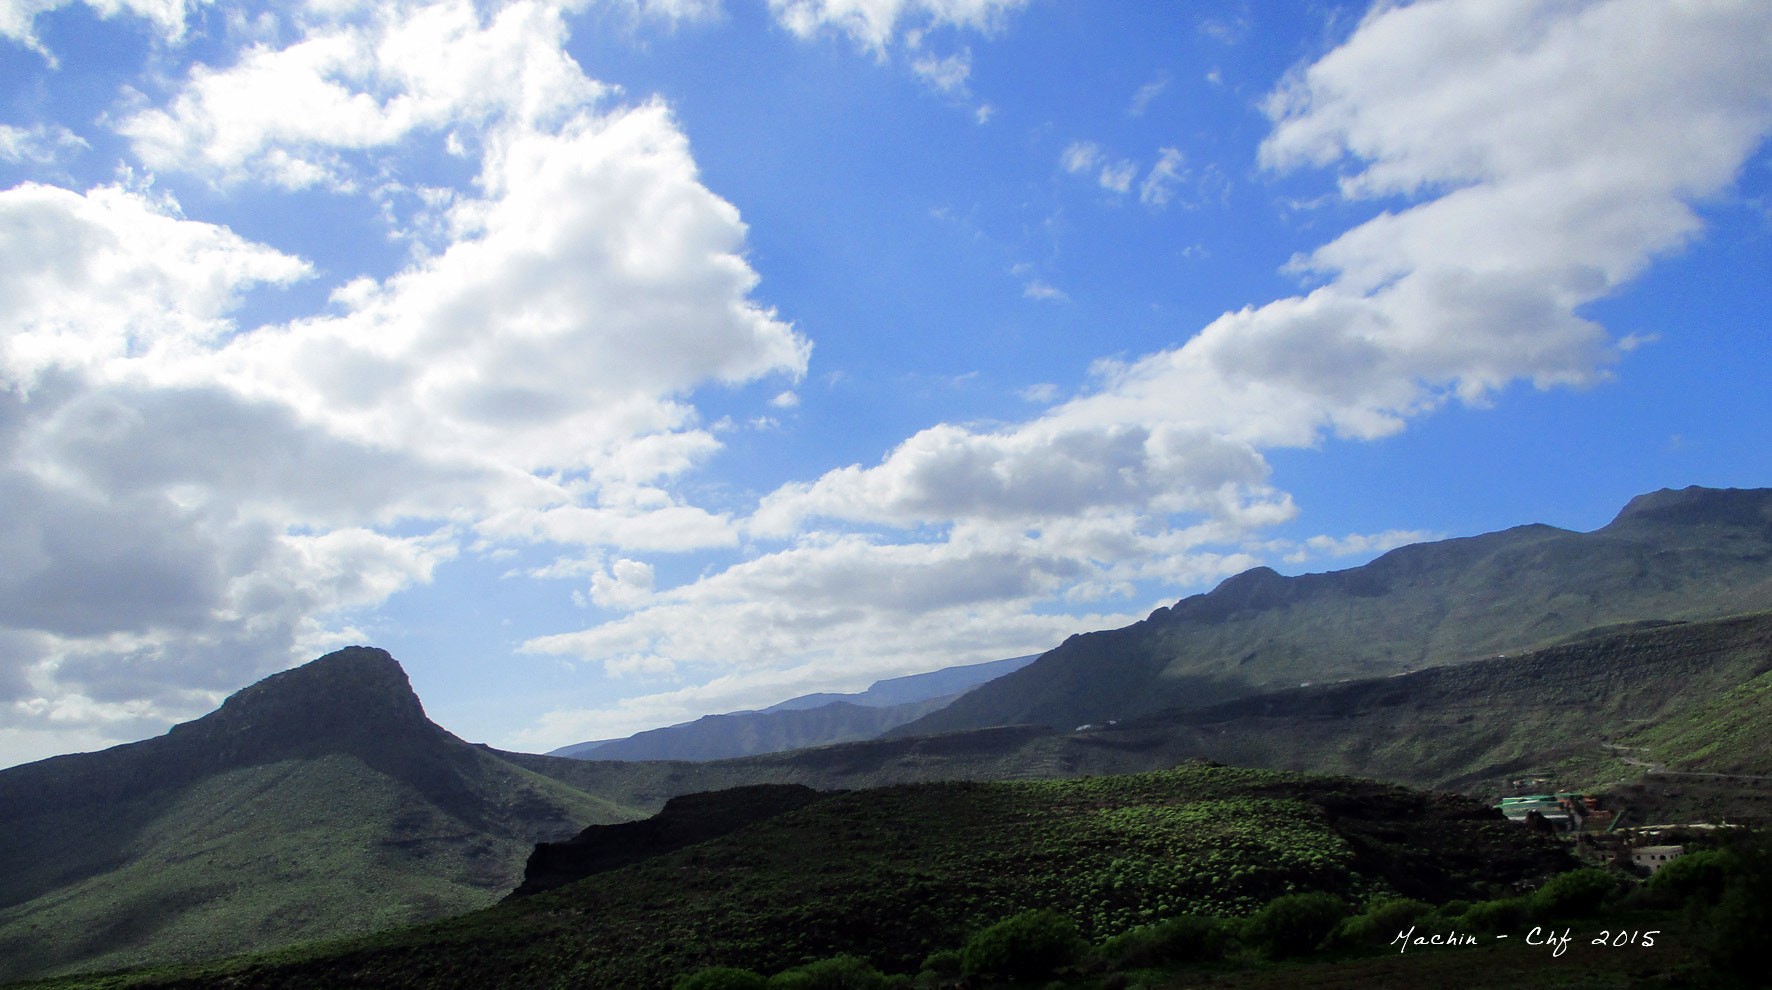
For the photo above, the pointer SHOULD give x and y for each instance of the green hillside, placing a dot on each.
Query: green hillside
(1687, 695)
(891, 874)
(315, 804)
(1692, 696)
(1690, 554)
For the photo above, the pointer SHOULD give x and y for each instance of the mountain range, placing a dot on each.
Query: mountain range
(808, 720)
(321, 802)
(1687, 554)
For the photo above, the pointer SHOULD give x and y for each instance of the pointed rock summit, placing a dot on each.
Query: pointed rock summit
(356, 700)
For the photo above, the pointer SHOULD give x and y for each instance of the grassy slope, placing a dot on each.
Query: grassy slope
(1467, 726)
(896, 872)
(280, 853)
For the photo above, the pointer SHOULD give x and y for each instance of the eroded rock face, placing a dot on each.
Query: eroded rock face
(684, 821)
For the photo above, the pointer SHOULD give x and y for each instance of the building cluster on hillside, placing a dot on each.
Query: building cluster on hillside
(1596, 832)
(1566, 811)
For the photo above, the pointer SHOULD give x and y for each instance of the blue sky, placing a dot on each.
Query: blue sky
(614, 362)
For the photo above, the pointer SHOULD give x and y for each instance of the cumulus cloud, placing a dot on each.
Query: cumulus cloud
(1546, 152)
(283, 115)
(94, 278)
(194, 503)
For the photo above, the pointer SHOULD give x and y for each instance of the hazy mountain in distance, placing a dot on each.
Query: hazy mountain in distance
(809, 720)
(1688, 554)
(316, 803)
(943, 683)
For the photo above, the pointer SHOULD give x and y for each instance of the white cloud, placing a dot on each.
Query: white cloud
(1117, 177)
(192, 504)
(627, 584)
(874, 23)
(40, 144)
(18, 17)
(1036, 289)
(1158, 187)
(1353, 544)
(1084, 156)
(1552, 149)
(1141, 100)
(113, 274)
(1080, 157)
(945, 74)
(281, 115)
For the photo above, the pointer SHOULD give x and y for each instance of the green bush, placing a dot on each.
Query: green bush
(1029, 945)
(843, 972)
(1188, 938)
(721, 978)
(1576, 894)
(1736, 934)
(1499, 916)
(1295, 924)
(1382, 921)
(1696, 876)
(945, 962)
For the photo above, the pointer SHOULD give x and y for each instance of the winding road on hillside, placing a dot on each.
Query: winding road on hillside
(1661, 768)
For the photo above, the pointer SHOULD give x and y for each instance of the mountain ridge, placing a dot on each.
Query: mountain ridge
(1692, 553)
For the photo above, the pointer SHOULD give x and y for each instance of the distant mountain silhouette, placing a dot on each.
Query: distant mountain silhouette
(809, 720)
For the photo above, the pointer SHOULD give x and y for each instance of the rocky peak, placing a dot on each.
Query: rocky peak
(356, 700)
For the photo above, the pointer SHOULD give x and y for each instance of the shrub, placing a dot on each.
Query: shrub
(943, 961)
(843, 972)
(1295, 924)
(1504, 915)
(1185, 939)
(721, 978)
(1696, 876)
(1575, 894)
(1026, 946)
(1382, 921)
(1737, 931)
